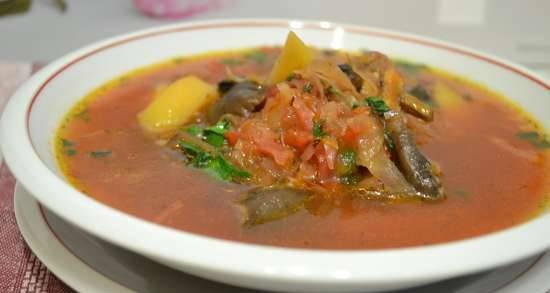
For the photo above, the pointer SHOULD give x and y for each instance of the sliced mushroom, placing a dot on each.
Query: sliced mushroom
(266, 204)
(415, 107)
(240, 99)
(414, 165)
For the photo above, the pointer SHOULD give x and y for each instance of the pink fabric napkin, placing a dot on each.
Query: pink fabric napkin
(20, 270)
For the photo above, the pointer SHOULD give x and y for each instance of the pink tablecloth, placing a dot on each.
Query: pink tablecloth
(20, 270)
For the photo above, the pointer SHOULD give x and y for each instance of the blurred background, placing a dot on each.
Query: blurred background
(46, 29)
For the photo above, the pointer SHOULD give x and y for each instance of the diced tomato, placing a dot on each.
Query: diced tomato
(323, 167)
(304, 114)
(297, 138)
(266, 142)
(232, 137)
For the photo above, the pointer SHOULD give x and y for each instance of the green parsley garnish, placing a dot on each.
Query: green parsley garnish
(317, 130)
(333, 91)
(70, 152)
(349, 179)
(194, 130)
(214, 135)
(83, 115)
(348, 157)
(291, 76)
(66, 143)
(231, 61)
(100, 154)
(257, 56)
(214, 163)
(307, 88)
(377, 105)
(389, 141)
(534, 138)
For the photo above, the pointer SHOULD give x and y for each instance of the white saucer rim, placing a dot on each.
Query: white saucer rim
(62, 262)
(80, 276)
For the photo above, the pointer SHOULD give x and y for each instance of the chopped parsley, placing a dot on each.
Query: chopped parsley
(83, 115)
(348, 158)
(291, 76)
(534, 138)
(377, 105)
(214, 135)
(231, 61)
(333, 91)
(68, 147)
(410, 68)
(349, 179)
(257, 56)
(389, 141)
(194, 130)
(214, 163)
(100, 154)
(67, 143)
(317, 130)
(461, 192)
(307, 88)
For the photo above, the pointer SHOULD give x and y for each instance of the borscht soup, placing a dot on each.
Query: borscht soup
(306, 147)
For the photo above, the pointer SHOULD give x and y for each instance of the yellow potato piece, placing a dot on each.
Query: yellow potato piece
(445, 96)
(294, 56)
(174, 105)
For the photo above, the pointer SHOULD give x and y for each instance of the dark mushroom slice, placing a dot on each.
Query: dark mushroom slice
(415, 107)
(240, 99)
(266, 204)
(355, 79)
(414, 165)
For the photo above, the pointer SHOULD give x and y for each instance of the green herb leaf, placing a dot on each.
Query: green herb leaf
(100, 154)
(220, 128)
(307, 88)
(226, 170)
(214, 135)
(231, 61)
(189, 148)
(377, 105)
(317, 130)
(461, 192)
(70, 152)
(202, 160)
(215, 139)
(194, 130)
(67, 143)
(333, 91)
(528, 135)
(349, 179)
(355, 105)
(348, 158)
(215, 164)
(291, 76)
(389, 141)
(534, 138)
(83, 115)
(410, 68)
(257, 56)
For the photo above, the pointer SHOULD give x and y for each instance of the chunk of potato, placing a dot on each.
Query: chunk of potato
(294, 56)
(176, 104)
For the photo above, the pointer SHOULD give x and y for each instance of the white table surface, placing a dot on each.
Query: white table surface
(515, 29)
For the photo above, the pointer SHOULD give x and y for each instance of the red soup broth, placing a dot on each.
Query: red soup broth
(494, 178)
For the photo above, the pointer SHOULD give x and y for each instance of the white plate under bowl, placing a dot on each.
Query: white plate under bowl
(89, 264)
(35, 111)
